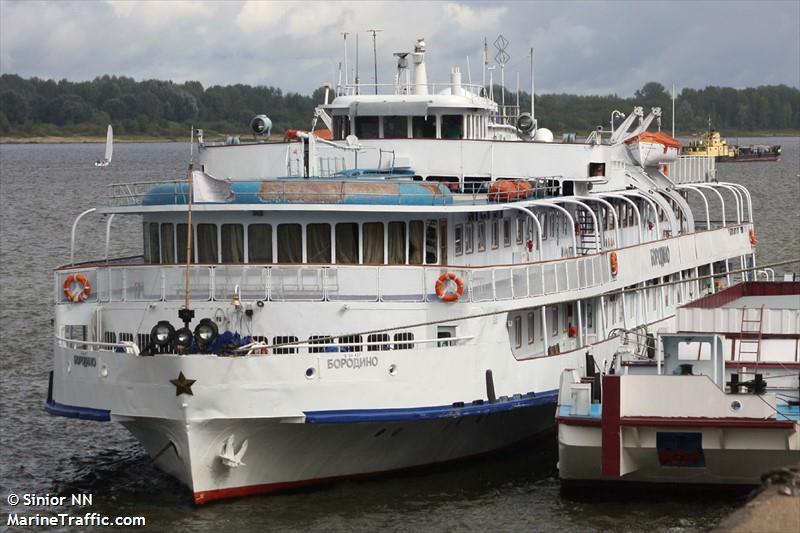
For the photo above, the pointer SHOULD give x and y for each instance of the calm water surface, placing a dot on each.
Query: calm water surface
(44, 187)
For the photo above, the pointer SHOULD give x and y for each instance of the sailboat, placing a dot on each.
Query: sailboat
(109, 149)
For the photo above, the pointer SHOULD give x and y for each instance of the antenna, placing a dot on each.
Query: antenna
(485, 63)
(533, 115)
(345, 34)
(469, 73)
(502, 57)
(673, 110)
(375, 55)
(358, 89)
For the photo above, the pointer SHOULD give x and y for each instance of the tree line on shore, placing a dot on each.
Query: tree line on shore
(156, 108)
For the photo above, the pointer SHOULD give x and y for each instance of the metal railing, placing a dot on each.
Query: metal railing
(692, 169)
(333, 283)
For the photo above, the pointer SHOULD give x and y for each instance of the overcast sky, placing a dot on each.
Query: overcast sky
(580, 47)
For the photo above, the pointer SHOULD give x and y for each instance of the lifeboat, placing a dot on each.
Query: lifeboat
(505, 190)
(652, 149)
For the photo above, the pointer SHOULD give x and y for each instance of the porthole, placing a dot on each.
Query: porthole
(311, 373)
(104, 371)
(736, 405)
(392, 370)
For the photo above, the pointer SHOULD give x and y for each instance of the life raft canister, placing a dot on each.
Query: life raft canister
(753, 239)
(83, 290)
(443, 281)
(614, 263)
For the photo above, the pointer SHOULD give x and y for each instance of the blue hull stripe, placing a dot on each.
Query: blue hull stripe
(73, 411)
(347, 416)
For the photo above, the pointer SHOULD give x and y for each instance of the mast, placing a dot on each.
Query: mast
(375, 55)
(673, 110)
(345, 34)
(533, 115)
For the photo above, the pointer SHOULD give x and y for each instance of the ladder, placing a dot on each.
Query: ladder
(750, 335)
(588, 236)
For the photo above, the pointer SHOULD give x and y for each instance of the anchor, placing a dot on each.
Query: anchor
(229, 457)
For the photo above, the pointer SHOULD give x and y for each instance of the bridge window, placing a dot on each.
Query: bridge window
(207, 246)
(318, 243)
(520, 229)
(416, 238)
(507, 232)
(341, 126)
(259, 243)
(431, 241)
(167, 243)
(469, 237)
(290, 243)
(423, 127)
(495, 234)
(180, 238)
(232, 243)
(395, 127)
(458, 238)
(452, 127)
(367, 127)
(397, 243)
(347, 243)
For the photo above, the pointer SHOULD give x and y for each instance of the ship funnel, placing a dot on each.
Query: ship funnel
(455, 82)
(420, 80)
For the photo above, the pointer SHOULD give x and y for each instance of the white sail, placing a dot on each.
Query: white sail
(109, 143)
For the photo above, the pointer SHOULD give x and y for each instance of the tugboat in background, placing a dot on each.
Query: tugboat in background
(711, 144)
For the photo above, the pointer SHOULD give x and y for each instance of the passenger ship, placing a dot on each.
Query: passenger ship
(405, 293)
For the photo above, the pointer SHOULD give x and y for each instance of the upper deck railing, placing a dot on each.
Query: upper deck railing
(692, 169)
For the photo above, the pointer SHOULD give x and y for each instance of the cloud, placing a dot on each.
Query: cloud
(581, 47)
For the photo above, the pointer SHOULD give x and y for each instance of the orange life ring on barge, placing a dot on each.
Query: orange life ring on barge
(449, 296)
(753, 240)
(614, 263)
(84, 290)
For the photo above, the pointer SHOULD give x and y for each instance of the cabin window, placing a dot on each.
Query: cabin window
(520, 230)
(507, 232)
(167, 243)
(431, 236)
(518, 331)
(401, 340)
(553, 319)
(531, 328)
(347, 243)
(481, 236)
(397, 243)
(350, 343)
(284, 339)
(341, 126)
(597, 169)
(458, 239)
(155, 255)
(469, 237)
(181, 240)
(207, 246)
(495, 234)
(452, 127)
(259, 243)
(319, 339)
(378, 337)
(416, 240)
(232, 243)
(318, 243)
(373, 243)
(146, 241)
(423, 127)
(474, 185)
(367, 127)
(290, 243)
(630, 217)
(395, 127)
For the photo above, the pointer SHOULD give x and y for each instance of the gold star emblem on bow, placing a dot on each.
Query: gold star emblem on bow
(183, 385)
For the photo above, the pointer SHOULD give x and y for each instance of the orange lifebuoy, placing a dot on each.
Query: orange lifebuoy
(84, 290)
(614, 263)
(449, 296)
(753, 240)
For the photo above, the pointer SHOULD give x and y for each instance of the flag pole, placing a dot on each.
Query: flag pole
(186, 314)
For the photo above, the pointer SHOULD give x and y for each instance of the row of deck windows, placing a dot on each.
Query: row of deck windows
(419, 127)
(369, 243)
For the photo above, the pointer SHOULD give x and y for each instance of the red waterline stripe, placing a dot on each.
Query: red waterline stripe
(610, 427)
(747, 423)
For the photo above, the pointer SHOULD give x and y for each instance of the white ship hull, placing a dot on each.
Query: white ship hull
(282, 456)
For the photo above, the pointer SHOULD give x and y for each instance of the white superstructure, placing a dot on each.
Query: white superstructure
(346, 322)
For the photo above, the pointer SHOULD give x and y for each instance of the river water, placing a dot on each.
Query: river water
(42, 190)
